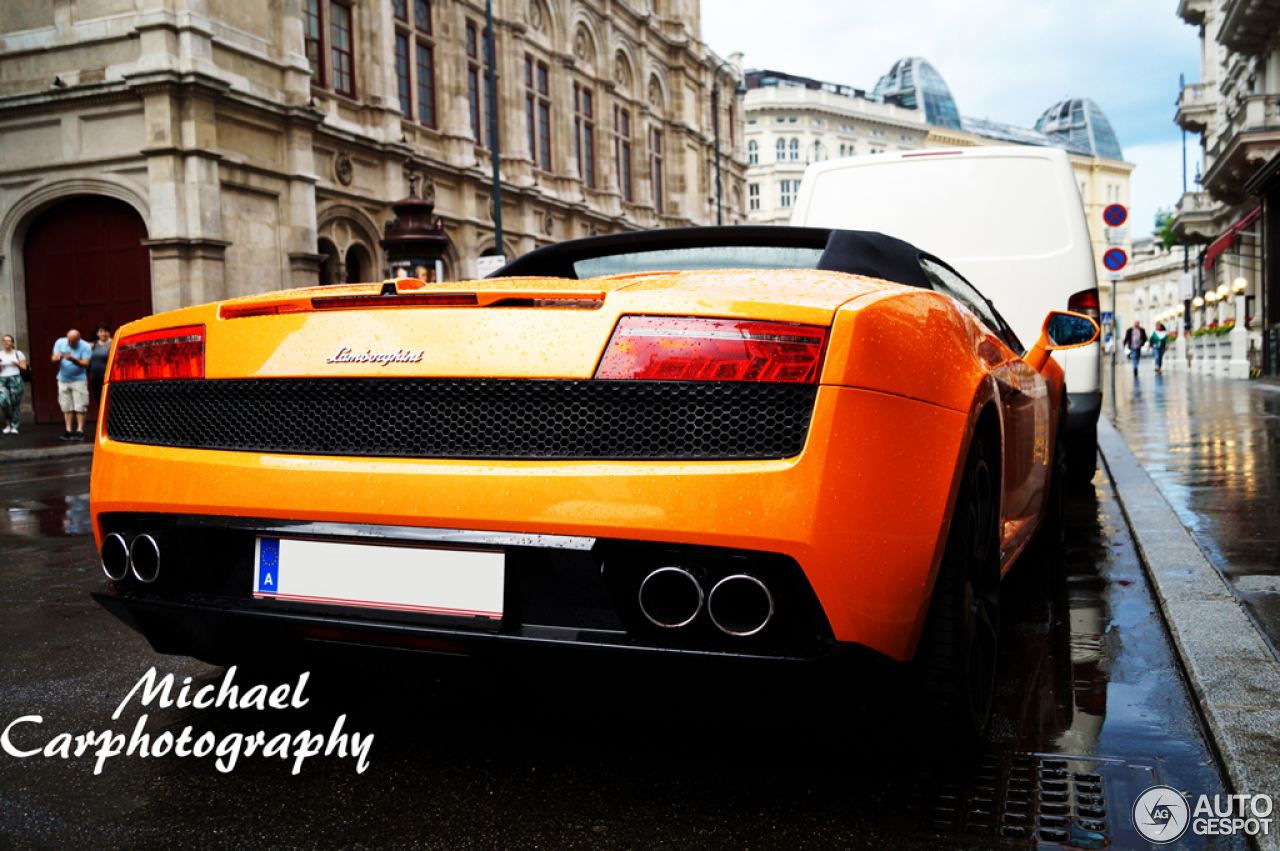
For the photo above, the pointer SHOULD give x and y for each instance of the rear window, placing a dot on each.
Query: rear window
(699, 258)
(960, 208)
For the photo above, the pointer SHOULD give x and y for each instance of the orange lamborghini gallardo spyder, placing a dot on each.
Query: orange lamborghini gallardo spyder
(762, 443)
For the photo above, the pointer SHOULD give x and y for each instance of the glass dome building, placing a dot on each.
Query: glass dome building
(914, 83)
(1079, 125)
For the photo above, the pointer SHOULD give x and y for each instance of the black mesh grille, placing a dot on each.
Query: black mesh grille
(467, 418)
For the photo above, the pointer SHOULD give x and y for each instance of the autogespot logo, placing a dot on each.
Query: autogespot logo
(1160, 814)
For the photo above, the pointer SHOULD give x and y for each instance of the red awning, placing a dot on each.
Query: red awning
(1228, 239)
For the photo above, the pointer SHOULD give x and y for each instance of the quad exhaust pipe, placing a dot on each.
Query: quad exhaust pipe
(115, 557)
(671, 597)
(144, 559)
(739, 605)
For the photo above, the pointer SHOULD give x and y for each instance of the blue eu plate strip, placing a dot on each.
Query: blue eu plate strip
(268, 565)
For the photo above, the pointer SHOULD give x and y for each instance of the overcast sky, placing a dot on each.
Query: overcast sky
(1006, 60)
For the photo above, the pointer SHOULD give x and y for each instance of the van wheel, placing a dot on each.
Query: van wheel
(955, 664)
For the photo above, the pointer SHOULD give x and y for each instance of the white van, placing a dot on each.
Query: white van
(1007, 218)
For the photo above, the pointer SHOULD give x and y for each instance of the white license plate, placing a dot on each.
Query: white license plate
(460, 582)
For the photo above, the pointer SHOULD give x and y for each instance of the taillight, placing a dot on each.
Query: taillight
(670, 348)
(171, 353)
(1086, 302)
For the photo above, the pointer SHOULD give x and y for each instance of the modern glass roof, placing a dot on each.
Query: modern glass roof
(1083, 126)
(914, 83)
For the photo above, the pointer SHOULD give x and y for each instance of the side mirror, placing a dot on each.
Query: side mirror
(1062, 330)
(1069, 330)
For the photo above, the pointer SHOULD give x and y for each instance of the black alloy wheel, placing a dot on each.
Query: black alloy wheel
(956, 660)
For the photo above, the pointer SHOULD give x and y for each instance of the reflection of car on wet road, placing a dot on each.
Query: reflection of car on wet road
(835, 443)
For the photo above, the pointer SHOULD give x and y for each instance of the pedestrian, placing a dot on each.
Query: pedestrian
(12, 364)
(1134, 339)
(1158, 342)
(98, 363)
(72, 355)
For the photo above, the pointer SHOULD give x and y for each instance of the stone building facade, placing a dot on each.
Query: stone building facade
(162, 153)
(794, 121)
(1233, 218)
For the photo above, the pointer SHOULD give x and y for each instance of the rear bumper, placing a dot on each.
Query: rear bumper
(861, 510)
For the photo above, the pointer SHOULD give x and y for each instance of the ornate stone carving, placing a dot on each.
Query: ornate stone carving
(655, 93)
(621, 71)
(535, 16)
(343, 169)
(582, 45)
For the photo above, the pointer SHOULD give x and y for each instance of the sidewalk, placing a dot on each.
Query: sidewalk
(1196, 467)
(35, 441)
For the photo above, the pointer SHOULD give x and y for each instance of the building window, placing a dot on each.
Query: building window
(415, 60)
(782, 149)
(538, 111)
(426, 84)
(655, 170)
(314, 37)
(785, 196)
(795, 149)
(344, 82)
(753, 196)
(622, 151)
(403, 84)
(753, 152)
(584, 133)
(478, 95)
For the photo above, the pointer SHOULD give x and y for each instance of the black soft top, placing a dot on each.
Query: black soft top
(854, 252)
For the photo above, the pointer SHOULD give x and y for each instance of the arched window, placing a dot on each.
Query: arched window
(782, 149)
(795, 149)
(753, 152)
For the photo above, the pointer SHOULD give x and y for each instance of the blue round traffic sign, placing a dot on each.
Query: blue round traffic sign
(1115, 259)
(1115, 215)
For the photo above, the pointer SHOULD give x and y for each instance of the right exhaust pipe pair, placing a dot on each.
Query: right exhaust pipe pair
(739, 605)
(141, 557)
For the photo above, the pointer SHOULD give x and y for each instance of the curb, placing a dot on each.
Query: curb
(1232, 671)
(50, 452)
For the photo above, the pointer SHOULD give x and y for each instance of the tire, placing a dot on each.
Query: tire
(956, 660)
(1082, 456)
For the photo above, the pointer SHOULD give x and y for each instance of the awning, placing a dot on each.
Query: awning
(1228, 239)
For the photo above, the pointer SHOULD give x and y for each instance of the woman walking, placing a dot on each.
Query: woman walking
(12, 363)
(1159, 341)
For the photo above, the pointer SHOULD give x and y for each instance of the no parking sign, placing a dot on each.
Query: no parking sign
(1115, 259)
(1115, 215)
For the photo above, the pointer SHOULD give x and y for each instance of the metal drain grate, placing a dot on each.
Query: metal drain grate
(1024, 799)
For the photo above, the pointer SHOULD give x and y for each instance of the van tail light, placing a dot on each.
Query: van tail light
(170, 353)
(1086, 302)
(673, 348)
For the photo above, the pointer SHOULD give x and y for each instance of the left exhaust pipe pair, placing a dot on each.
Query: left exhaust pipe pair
(141, 556)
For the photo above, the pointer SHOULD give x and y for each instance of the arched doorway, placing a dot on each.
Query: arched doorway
(328, 263)
(84, 264)
(359, 265)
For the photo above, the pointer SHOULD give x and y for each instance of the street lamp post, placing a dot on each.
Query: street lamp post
(740, 90)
